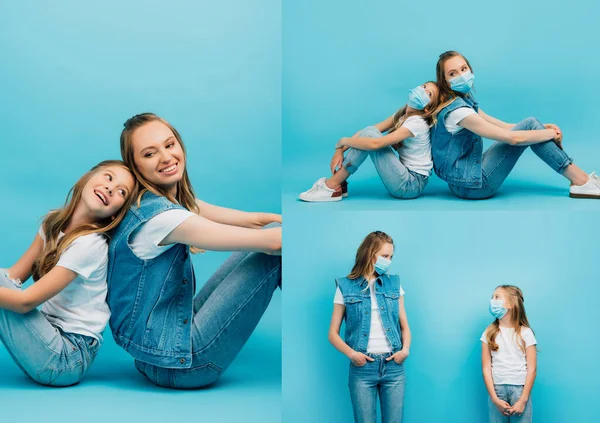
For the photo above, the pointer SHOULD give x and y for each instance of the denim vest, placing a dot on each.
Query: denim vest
(151, 300)
(357, 300)
(457, 157)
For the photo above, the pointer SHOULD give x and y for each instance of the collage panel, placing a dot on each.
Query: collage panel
(447, 268)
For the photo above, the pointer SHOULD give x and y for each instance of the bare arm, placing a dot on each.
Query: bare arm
(47, 287)
(22, 268)
(385, 125)
(358, 358)
(495, 121)
(366, 143)
(483, 128)
(401, 355)
(531, 357)
(236, 217)
(200, 232)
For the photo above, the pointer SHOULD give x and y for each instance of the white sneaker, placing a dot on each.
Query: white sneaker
(320, 192)
(591, 189)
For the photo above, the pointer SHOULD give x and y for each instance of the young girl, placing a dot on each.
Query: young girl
(68, 260)
(404, 175)
(377, 338)
(508, 358)
(457, 148)
(179, 339)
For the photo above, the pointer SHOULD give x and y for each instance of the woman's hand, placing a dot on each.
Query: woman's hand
(399, 357)
(518, 407)
(336, 161)
(359, 359)
(559, 137)
(502, 406)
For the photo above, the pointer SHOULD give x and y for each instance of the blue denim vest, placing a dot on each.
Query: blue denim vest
(151, 300)
(357, 300)
(457, 158)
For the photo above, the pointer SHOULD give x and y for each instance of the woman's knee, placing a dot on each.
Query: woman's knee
(533, 123)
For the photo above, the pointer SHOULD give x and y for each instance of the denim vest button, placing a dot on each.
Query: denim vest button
(182, 361)
(382, 308)
(364, 334)
(185, 321)
(184, 281)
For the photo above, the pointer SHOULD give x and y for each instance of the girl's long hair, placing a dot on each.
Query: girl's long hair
(447, 94)
(518, 317)
(429, 113)
(363, 264)
(56, 220)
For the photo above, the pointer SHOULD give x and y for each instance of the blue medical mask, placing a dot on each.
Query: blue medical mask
(497, 308)
(381, 265)
(462, 83)
(418, 98)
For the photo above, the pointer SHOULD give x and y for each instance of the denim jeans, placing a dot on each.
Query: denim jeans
(510, 394)
(385, 378)
(500, 159)
(43, 351)
(400, 181)
(226, 312)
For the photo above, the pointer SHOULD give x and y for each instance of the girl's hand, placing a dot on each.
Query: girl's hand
(502, 406)
(559, 137)
(359, 359)
(399, 357)
(341, 143)
(336, 161)
(518, 407)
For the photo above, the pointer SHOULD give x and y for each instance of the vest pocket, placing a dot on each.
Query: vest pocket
(353, 306)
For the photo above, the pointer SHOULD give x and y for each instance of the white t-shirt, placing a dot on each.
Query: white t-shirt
(509, 364)
(378, 342)
(455, 116)
(81, 307)
(415, 152)
(145, 239)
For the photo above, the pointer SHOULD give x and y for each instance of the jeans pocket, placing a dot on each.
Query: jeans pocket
(197, 377)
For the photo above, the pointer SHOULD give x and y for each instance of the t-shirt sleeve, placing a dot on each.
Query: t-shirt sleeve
(339, 298)
(528, 337)
(85, 255)
(146, 239)
(483, 337)
(401, 291)
(454, 117)
(416, 125)
(41, 233)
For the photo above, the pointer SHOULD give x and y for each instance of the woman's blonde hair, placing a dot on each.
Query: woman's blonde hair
(518, 317)
(55, 221)
(363, 264)
(429, 113)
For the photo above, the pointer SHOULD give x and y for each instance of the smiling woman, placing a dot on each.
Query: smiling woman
(179, 339)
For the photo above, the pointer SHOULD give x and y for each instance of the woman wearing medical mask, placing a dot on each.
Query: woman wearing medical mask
(377, 336)
(402, 156)
(457, 147)
(508, 358)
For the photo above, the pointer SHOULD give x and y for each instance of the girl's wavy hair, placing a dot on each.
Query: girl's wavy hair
(429, 113)
(363, 264)
(518, 317)
(56, 220)
(447, 94)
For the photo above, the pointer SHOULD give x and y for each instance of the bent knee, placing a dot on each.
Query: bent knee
(533, 123)
(370, 132)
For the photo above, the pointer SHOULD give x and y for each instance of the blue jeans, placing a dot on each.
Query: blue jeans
(43, 351)
(385, 378)
(500, 159)
(510, 394)
(226, 312)
(400, 181)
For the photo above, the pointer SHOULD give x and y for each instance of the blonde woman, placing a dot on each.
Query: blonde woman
(377, 336)
(68, 259)
(181, 339)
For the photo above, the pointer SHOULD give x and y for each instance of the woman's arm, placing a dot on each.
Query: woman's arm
(47, 287)
(486, 367)
(358, 358)
(531, 357)
(200, 232)
(22, 268)
(366, 143)
(401, 355)
(236, 217)
(483, 128)
(495, 121)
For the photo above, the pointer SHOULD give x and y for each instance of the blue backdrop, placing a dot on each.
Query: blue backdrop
(350, 63)
(449, 265)
(72, 73)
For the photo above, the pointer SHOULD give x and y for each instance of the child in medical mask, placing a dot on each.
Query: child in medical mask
(377, 336)
(406, 174)
(509, 358)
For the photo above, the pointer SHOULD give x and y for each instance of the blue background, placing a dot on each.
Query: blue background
(348, 64)
(449, 264)
(72, 73)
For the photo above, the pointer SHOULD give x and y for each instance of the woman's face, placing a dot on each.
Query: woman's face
(157, 155)
(386, 251)
(454, 67)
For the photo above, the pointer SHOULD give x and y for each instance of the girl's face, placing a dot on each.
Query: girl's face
(454, 67)
(500, 294)
(431, 90)
(386, 251)
(107, 190)
(157, 154)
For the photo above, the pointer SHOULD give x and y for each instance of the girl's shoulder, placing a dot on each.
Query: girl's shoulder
(96, 242)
